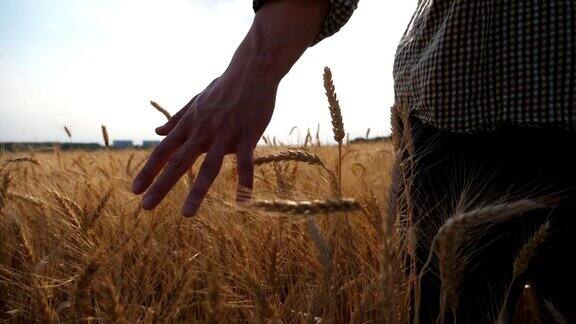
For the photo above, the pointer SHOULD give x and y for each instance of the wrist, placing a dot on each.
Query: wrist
(258, 60)
(280, 33)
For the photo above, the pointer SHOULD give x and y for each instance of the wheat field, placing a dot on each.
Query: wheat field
(324, 240)
(75, 244)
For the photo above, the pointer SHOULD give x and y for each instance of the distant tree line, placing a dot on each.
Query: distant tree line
(371, 140)
(23, 146)
(39, 146)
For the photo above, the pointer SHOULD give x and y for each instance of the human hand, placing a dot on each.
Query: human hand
(228, 117)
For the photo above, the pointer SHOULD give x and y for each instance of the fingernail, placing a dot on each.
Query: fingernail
(147, 202)
(136, 186)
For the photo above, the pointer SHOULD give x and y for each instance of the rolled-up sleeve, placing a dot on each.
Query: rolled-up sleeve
(340, 13)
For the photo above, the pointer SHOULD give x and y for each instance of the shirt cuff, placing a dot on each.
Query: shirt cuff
(340, 13)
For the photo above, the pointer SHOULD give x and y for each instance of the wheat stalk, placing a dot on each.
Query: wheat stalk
(299, 156)
(447, 244)
(26, 198)
(285, 180)
(110, 301)
(29, 259)
(334, 106)
(169, 306)
(266, 140)
(87, 277)
(4, 184)
(291, 155)
(21, 159)
(105, 136)
(56, 147)
(91, 218)
(70, 206)
(521, 264)
(213, 304)
(161, 110)
(488, 214)
(394, 191)
(324, 250)
(556, 315)
(68, 132)
(529, 249)
(307, 207)
(308, 139)
(452, 261)
(28, 253)
(265, 311)
(452, 264)
(337, 123)
(129, 164)
(79, 162)
(401, 191)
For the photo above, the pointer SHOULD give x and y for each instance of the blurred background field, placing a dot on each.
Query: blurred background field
(76, 246)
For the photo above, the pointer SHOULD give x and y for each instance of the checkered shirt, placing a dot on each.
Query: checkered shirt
(477, 65)
(339, 15)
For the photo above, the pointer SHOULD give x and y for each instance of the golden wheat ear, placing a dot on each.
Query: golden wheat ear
(21, 159)
(521, 263)
(337, 123)
(161, 109)
(307, 207)
(290, 155)
(334, 106)
(27, 199)
(105, 136)
(530, 248)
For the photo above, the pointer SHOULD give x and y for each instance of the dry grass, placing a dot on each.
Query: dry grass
(91, 253)
(160, 109)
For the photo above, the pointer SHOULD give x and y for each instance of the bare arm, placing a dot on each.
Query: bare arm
(231, 114)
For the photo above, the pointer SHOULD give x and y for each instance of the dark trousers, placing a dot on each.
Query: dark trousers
(481, 169)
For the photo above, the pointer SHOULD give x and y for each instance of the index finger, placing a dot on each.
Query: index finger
(156, 161)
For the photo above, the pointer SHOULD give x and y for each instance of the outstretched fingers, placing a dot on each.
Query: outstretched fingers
(156, 161)
(175, 168)
(206, 176)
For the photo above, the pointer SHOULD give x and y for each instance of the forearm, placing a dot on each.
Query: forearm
(280, 33)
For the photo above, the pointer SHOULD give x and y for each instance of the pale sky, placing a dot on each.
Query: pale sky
(83, 63)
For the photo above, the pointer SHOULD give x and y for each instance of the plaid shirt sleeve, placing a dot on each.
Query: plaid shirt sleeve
(340, 13)
(478, 65)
